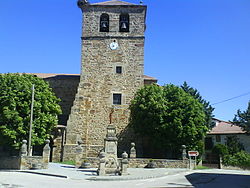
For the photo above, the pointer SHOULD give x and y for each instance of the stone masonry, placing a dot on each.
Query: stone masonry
(93, 108)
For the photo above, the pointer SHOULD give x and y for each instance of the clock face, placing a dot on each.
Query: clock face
(113, 45)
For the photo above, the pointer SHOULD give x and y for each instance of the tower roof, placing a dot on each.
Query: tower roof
(113, 2)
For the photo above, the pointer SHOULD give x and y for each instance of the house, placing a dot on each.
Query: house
(223, 129)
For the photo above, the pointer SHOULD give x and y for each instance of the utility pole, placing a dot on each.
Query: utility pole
(31, 121)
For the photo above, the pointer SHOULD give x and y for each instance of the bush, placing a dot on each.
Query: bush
(234, 145)
(220, 149)
(240, 159)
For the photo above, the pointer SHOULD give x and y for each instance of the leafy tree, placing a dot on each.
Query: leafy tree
(169, 117)
(208, 109)
(15, 102)
(234, 145)
(220, 149)
(242, 119)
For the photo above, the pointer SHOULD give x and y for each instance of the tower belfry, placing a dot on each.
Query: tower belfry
(112, 66)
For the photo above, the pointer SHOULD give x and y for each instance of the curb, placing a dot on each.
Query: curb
(124, 178)
(42, 173)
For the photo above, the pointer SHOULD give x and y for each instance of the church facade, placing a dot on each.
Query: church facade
(112, 70)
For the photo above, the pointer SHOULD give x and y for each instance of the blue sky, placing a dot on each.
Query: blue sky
(206, 43)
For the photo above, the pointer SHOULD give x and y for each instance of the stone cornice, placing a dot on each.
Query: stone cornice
(112, 37)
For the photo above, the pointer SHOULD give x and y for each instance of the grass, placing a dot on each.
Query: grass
(68, 162)
(201, 167)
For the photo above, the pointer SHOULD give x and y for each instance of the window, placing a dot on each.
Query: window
(208, 143)
(124, 23)
(117, 99)
(104, 23)
(218, 138)
(118, 69)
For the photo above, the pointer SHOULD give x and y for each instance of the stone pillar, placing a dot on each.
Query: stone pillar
(79, 154)
(184, 152)
(46, 153)
(220, 162)
(101, 169)
(23, 150)
(124, 164)
(132, 151)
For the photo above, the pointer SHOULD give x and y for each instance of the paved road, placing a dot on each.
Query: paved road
(161, 178)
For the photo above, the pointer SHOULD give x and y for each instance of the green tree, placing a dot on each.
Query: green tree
(208, 109)
(234, 145)
(220, 149)
(170, 117)
(242, 119)
(15, 102)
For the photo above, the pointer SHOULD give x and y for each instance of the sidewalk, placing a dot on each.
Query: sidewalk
(69, 171)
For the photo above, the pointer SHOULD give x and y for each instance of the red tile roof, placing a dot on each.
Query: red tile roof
(48, 75)
(224, 127)
(113, 2)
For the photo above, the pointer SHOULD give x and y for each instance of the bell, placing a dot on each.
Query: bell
(104, 25)
(124, 25)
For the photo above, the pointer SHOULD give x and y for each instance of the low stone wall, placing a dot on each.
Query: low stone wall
(160, 163)
(22, 162)
(142, 162)
(36, 162)
(10, 163)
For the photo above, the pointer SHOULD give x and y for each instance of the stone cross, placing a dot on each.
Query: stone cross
(110, 116)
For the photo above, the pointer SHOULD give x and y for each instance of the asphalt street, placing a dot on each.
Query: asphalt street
(66, 176)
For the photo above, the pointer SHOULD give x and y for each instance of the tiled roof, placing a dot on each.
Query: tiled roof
(224, 127)
(148, 77)
(48, 75)
(113, 2)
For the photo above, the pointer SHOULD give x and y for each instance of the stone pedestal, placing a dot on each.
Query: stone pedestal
(132, 151)
(46, 152)
(23, 151)
(101, 169)
(108, 159)
(79, 151)
(124, 164)
(184, 152)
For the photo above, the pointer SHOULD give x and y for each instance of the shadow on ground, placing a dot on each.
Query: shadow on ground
(216, 180)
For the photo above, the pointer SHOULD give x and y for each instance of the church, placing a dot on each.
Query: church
(112, 70)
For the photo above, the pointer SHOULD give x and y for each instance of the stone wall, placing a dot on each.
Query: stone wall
(160, 163)
(22, 162)
(65, 88)
(142, 162)
(10, 162)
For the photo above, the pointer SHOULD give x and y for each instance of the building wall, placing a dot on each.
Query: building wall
(65, 88)
(243, 138)
(93, 110)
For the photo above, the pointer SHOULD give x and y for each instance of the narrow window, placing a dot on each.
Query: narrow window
(124, 23)
(208, 143)
(118, 69)
(104, 23)
(218, 138)
(117, 99)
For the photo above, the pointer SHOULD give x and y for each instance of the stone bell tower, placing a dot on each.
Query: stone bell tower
(112, 65)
